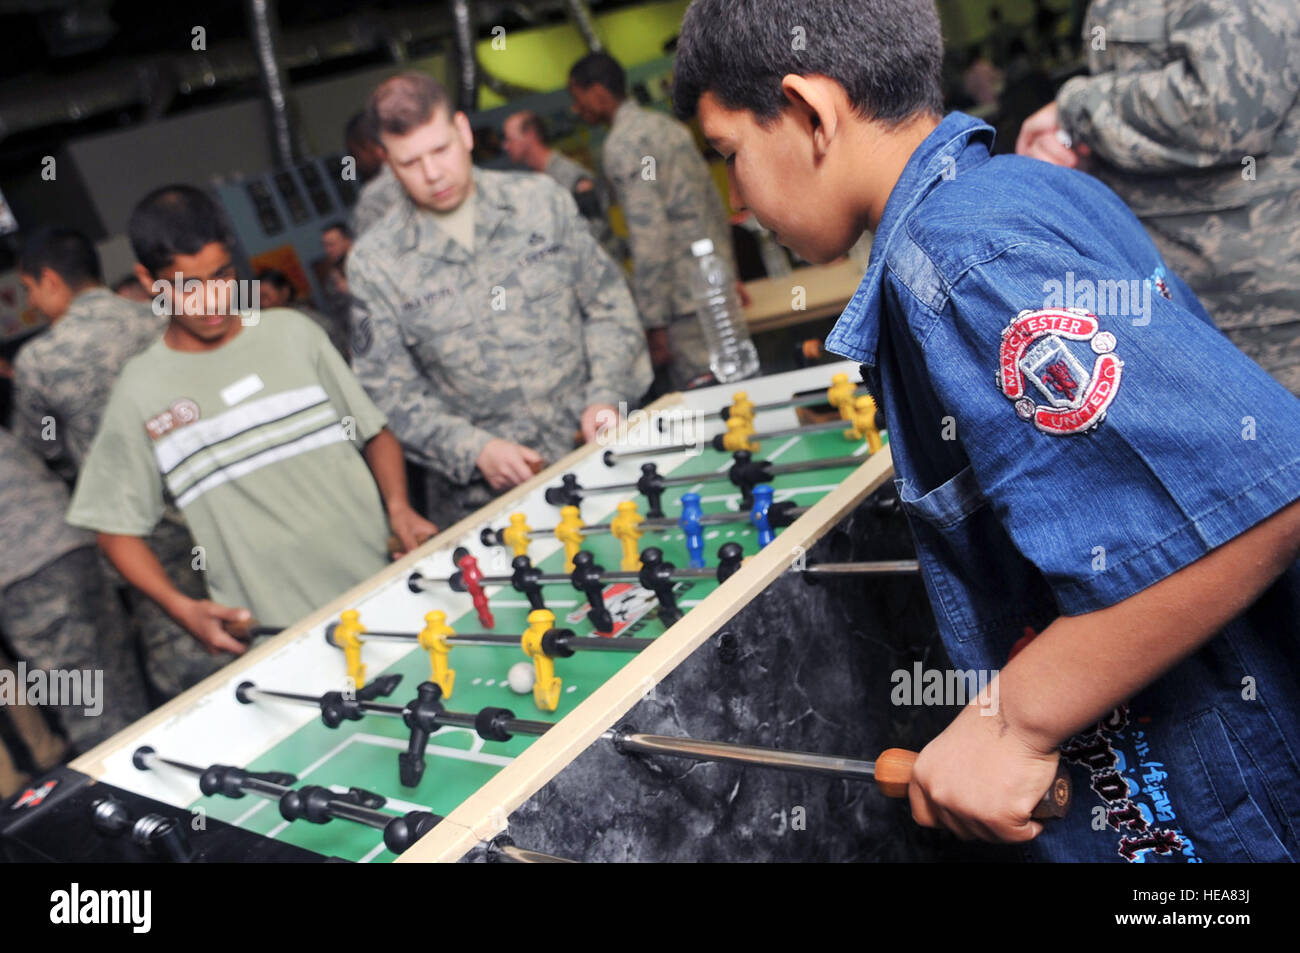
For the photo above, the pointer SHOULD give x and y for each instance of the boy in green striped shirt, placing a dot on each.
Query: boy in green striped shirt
(255, 428)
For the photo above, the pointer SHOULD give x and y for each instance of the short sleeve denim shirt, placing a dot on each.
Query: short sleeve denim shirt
(1068, 428)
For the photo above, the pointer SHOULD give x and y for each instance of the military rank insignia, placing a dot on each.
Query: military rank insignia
(1059, 368)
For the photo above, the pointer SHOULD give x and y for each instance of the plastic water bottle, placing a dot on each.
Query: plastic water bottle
(732, 356)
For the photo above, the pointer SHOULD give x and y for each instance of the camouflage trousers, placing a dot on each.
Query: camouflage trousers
(45, 748)
(66, 617)
(174, 660)
(1244, 265)
(448, 503)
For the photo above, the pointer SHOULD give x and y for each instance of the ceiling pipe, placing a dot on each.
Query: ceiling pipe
(580, 13)
(155, 81)
(466, 59)
(263, 25)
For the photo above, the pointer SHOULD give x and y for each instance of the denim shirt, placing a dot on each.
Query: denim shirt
(1068, 428)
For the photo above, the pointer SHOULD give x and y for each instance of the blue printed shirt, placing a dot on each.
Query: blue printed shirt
(1068, 428)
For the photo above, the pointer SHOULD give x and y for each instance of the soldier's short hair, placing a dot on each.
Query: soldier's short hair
(531, 123)
(338, 225)
(602, 69)
(175, 220)
(359, 131)
(65, 251)
(887, 54)
(404, 102)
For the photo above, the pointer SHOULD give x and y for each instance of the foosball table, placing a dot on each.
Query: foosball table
(437, 711)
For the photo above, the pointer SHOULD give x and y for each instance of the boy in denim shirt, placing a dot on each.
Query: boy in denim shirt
(1080, 452)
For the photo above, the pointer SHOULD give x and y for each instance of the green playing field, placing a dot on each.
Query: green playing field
(364, 753)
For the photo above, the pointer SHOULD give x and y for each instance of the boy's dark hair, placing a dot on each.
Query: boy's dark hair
(887, 54)
(175, 220)
(66, 252)
(405, 102)
(359, 131)
(600, 68)
(339, 226)
(276, 277)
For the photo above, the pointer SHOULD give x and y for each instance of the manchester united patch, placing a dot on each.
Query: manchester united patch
(1043, 368)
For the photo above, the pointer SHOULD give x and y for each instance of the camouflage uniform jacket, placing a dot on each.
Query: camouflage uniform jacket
(67, 373)
(1191, 113)
(32, 503)
(569, 173)
(376, 197)
(669, 202)
(513, 340)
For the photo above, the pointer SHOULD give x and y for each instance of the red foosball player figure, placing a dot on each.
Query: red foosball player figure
(472, 577)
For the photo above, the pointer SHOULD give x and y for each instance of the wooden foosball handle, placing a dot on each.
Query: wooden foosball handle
(894, 773)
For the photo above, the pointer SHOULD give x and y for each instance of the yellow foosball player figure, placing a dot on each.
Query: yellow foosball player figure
(569, 533)
(626, 528)
(863, 419)
(433, 639)
(739, 430)
(840, 395)
(741, 406)
(546, 689)
(347, 636)
(516, 535)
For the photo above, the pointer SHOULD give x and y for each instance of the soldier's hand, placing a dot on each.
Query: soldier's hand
(1038, 138)
(596, 418)
(505, 464)
(661, 355)
(206, 621)
(410, 528)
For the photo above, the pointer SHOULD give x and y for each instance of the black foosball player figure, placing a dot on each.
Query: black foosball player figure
(586, 579)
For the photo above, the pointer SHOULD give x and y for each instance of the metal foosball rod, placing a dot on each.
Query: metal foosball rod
(318, 805)
(841, 389)
(655, 575)
(564, 642)
(745, 473)
(587, 577)
(422, 715)
(782, 514)
(878, 567)
(734, 438)
(891, 771)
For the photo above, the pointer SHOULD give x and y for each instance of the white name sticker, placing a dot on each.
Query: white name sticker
(241, 389)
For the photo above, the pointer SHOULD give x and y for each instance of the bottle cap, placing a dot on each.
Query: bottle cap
(701, 248)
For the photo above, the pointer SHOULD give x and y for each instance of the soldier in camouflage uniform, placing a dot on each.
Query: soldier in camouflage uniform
(56, 609)
(380, 190)
(488, 324)
(669, 201)
(62, 380)
(377, 196)
(1192, 115)
(526, 142)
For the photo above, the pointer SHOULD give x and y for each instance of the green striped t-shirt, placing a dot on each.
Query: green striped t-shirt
(257, 442)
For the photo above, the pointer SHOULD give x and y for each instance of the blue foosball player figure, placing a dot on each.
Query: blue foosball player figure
(691, 526)
(758, 515)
